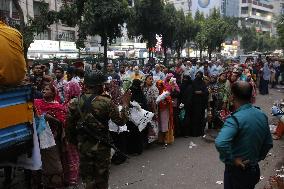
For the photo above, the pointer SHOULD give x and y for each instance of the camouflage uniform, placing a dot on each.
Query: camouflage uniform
(95, 158)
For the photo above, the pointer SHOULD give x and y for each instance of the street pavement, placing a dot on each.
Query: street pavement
(185, 166)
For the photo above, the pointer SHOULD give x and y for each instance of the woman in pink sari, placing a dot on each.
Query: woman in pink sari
(165, 114)
(172, 86)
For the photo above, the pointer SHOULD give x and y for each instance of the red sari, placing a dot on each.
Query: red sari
(68, 153)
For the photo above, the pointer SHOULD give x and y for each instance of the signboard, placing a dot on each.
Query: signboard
(44, 45)
(205, 6)
(67, 46)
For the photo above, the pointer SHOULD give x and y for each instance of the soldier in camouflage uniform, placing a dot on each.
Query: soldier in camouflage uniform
(95, 158)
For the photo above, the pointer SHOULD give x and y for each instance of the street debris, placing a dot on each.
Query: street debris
(219, 182)
(191, 145)
(261, 177)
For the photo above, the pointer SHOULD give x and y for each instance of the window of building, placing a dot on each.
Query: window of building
(244, 10)
(36, 6)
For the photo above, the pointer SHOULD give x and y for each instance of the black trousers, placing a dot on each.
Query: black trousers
(238, 178)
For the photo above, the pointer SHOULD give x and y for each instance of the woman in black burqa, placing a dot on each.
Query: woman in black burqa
(136, 139)
(199, 104)
(186, 99)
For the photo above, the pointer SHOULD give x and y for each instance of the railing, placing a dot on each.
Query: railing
(258, 3)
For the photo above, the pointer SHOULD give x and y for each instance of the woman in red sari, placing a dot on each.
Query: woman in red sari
(60, 162)
(165, 114)
(54, 114)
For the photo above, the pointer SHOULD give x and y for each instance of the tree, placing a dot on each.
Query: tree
(258, 41)
(180, 33)
(100, 17)
(34, 25)
(147, 20)
(200, 38)
(217, 30)
(191, 29)
(249, 39)
(280, 30)
(168, 28)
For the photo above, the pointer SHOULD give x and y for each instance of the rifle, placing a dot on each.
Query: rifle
(83, 128)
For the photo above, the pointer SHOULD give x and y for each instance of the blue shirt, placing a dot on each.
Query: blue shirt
(251, 141)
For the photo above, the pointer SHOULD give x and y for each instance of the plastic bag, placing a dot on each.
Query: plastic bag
(33, 162)
(182, 114)
(46, 138)
(40, 124)
(139, 116)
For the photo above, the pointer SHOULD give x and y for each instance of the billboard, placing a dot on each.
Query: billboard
(205, 6)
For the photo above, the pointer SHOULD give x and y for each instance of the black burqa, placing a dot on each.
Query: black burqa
(198, 106)
(186, 93)
(136, 139)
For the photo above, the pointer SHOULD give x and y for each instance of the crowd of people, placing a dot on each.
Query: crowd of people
(183, 100)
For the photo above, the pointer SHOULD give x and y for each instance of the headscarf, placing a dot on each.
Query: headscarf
(72, 90)
(54, 108)
(169, 85)
(137, 93)
(266, 72)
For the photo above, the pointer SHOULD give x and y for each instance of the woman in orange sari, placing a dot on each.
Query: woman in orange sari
(165, 117)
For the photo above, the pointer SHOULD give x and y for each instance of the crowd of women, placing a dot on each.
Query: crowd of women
(183, 99)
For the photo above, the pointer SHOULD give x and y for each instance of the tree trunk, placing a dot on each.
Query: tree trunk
(104, 43)
(166, 56)
(200, 54)
(22, 25)
(209, 54)
(188, 51)
(21, 14)
(178, 52)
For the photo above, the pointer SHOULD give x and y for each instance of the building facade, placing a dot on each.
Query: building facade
(278, 7)
(57, 41)
(258, 14)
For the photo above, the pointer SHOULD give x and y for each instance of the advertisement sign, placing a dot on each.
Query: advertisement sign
(44, 45)
(205, 6)
(67, 46)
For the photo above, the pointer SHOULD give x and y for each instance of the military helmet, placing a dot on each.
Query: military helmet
(94, 78)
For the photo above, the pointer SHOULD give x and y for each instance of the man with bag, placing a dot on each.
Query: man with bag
(244, 140)
(94, 110)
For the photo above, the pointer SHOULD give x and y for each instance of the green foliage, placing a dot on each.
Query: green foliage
(280, 30)
(100, 17)
(212, 31)
(249, 39)
(169, 27)
(35, 25)
(151, 17)
(181, 32)
(254, 41)
(147, 20)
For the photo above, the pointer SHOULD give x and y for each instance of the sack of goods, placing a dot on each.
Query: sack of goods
(12, 61)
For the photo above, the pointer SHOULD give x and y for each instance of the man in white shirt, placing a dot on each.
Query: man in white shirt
(157, 73)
